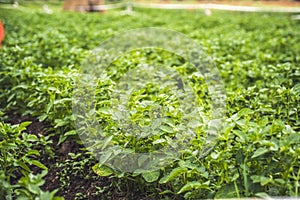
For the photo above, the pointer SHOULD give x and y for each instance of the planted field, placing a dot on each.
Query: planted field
(256, 152)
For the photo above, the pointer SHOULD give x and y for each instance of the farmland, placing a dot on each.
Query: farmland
(256, 153)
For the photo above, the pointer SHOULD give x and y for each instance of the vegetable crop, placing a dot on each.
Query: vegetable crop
(257, 153)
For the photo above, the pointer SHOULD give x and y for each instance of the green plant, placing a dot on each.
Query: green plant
(257, 153)
(17, 150)
(28, 187)
(18, 155)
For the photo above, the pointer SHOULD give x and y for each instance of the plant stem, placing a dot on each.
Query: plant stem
(237, 190)
(245, 177)
(297, 183)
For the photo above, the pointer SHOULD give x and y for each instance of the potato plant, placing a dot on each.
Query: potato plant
(257, 153)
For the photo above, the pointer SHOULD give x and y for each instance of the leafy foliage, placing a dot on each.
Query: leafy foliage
(258, 151)
(17, 156)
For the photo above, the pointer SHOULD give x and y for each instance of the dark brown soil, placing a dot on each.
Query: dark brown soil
(83, 185)
(35, 127)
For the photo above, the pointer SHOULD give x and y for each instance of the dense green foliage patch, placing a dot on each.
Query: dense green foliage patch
(258, 151)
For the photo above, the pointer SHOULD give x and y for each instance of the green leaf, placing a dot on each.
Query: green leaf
(293, 138)
(280, 181)
(106, 141)
(72, 132)
(142, 159)
(261, 179)
(161, 140)
(156, 123)
(31, 138)
(102, 170)
(174, 173)
(166, 192)
(235, 176)
(33, 188)
(262, 195)
(47, 195)
(296, 89)
(167, 129)
(49, 106)
(260, 151)
(104, 110)
(24, 166)
(151, 176)
(215, 155)
(245, 111)
(60, 122)
(38, 164)
(190, 165)
(62, 138)
(104, 157)
(33, 152)
(194, 185)
(241, 135)
(42, 117)
(23, 125)
(227, 191)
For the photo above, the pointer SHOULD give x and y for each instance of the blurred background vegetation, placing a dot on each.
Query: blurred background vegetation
(149, 1)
